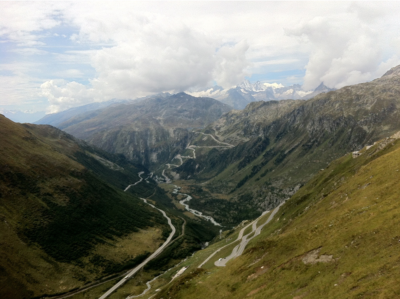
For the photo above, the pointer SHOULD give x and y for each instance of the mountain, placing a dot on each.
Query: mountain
(22, 116)
(64, 215)
(281, 145)
(246, 92)
(149, 131)
(55, 119)
(335, 238)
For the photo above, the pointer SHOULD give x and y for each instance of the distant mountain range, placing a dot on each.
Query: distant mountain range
(149, 131)
(56, 118)
(246, 92)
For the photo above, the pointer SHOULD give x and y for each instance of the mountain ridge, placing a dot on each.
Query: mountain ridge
(274, 156)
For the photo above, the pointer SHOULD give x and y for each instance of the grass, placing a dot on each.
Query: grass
(61, 222)
(221, 254)
(348, 211)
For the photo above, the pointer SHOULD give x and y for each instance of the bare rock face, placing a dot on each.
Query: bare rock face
(313, 257)
(394, 71)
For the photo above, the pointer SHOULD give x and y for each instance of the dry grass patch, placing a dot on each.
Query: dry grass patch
(131, 246)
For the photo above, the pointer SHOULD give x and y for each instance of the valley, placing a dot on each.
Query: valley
(241, 201)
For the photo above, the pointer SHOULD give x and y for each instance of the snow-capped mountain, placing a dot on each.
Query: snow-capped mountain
(246, 92)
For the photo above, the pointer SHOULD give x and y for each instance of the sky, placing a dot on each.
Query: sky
(55, 55)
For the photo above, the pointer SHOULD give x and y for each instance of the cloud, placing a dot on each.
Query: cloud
(131, 49)
(344, 49)
(18, 22)
(63, 95)
(150, 57)
(230, 65)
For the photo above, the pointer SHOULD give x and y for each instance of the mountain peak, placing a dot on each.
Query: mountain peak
(323, 88)
(394, 71)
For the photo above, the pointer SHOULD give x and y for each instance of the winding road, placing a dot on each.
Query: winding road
(141, 179)
(155, 254)
(216, 140)
(244, 240)
(188, 197)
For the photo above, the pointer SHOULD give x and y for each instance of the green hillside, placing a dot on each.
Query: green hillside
(59, 219)
(337, 237)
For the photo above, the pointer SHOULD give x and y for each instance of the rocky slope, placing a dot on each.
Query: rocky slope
(151, 131)
(282, 145)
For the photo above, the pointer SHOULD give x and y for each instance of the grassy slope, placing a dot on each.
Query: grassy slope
(59, 220)
(350, 211)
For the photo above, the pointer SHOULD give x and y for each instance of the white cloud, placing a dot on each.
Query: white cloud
(135, 48)
(18, 89)
(274, 85)
(229, 69)
(151, 57)
(344, 48)
(63, 95)
(19, 21)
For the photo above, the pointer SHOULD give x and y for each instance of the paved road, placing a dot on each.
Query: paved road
(141, 179)
(155, 253)
(238, 250)
(167, 179)
(220, 142)
(149, 282)
(240, 236)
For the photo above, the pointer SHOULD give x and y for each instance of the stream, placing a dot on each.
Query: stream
(194, 212)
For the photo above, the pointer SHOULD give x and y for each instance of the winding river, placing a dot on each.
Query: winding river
(194, 212)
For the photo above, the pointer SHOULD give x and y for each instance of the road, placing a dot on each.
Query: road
(244, 240)
(240, 236)
(216, 140)
(167, 179)
(155, 254)
(149, 282)
(141, 179)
